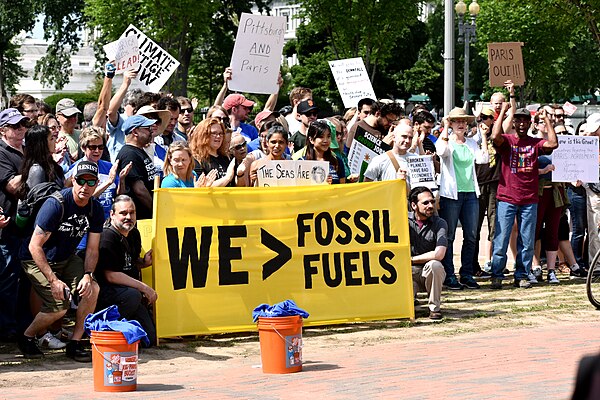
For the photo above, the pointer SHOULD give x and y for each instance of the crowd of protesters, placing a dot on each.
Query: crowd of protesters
(496, 163)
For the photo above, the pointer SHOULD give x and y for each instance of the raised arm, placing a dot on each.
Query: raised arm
(508, 122)
(272, 100)
(221, 96)
(117, 99)
(552, 142)
(104, 97)
(497, 129)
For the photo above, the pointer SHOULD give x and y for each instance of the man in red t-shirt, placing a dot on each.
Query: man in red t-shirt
(518, 192)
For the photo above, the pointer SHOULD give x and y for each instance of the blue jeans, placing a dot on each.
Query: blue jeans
(465, 210)
(578, 214)
(526, 221)
(10, 270)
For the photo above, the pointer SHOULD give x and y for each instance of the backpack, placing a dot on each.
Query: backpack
(28, 208)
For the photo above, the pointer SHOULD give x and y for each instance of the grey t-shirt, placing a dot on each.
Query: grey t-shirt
(426, 238)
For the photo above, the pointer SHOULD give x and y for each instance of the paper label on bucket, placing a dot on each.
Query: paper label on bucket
(294, 351)
(120, 369)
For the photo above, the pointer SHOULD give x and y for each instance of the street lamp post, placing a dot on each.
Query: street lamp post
(467, 34)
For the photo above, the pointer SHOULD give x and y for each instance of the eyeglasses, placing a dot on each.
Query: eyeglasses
(217, 134)
(89, 182)
(94, 147)
(483, 117)
(239, 146)
(186, 110)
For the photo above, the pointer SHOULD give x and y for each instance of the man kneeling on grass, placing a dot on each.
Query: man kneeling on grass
(428, 244)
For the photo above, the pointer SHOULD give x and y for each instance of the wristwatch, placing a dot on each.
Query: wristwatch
(91, 274)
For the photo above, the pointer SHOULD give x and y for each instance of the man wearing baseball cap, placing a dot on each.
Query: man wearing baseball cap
(238, 107)
(308, 111)
(66, 114)
(12, 131)
(139, 132)
(57, 274)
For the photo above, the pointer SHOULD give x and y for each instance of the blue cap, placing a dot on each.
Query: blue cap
(11, 116)
(136, 121)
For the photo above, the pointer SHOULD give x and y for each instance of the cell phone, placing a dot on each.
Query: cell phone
(67, 294)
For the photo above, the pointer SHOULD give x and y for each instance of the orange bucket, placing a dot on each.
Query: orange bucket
(280, 344)
(114, 362)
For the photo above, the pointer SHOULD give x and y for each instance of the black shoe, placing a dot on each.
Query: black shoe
(77, 352)
(579, 273)
(29, 347)
(496, 284)
(469, 282)
(452, 283)
(483, 274)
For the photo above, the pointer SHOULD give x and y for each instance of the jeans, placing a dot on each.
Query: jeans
(10, 270)
(465, 210)
(487, 205)
(526, 221)
(578, 214)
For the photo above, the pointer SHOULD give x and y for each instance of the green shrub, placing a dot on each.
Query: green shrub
(80, 99)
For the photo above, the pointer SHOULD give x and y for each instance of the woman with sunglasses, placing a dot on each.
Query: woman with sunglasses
(318, 148)
(179, 169)
(459, 192)
(209, 145)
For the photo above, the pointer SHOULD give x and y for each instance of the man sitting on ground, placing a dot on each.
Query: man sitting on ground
(428, 244)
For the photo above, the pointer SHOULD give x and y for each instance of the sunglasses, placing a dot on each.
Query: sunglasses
(94, 147)
(83, 181)
(186, 110)
(559, 115)
(311, 113)
(484, 117)
(239, 146)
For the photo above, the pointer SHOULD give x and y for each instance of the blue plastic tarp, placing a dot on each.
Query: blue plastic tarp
(108, 320)
(286, 308)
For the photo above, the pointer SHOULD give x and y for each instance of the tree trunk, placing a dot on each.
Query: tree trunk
(3, 96)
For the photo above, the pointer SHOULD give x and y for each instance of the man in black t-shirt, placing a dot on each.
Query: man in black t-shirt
(119, 267)
(139, 132)
(55, 271)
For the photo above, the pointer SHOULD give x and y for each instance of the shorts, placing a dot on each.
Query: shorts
(69, 271)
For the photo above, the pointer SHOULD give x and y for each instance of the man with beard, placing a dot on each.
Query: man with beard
(119, 267)
(139, 132)
(377, 123)
(428, 244)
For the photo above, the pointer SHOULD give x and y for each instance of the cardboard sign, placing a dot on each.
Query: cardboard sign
(220, 252)
(156, 64)
(576, 158)
(257, 54)
(364, 148)
(293, 173)
(421, 171)
(506, 62)
(352, 80)
(125, 52)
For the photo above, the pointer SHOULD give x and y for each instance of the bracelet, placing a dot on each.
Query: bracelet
(512, 96)
(445, 139)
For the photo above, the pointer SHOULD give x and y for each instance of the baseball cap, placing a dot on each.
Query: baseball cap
(86, 168)
(593, 123)
(306, 106)
(261, 116)
(11, 116)
(67, 107)
(136, 121)
(236, 99)
(523, 112)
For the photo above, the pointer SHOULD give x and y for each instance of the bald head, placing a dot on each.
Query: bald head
(403, 135)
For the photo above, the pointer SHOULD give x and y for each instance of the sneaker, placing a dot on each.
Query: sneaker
(483, 274)
(487, 267)
(522, 283)
(451, 283)
(29, 347)
(580, 272)
(536, 270)
(435, 315)
(469, 282)
(77, 352)
(48, 341)
(531, 278)
(496, 283)
(552, 276)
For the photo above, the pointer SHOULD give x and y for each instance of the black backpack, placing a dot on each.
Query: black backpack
(27, 209)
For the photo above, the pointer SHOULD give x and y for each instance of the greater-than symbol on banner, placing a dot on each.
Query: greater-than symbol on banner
(284, 253)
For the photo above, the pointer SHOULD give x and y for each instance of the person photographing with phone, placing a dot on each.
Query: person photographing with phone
(49, 260)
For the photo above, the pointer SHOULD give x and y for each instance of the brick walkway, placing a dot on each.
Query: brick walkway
(527, 363)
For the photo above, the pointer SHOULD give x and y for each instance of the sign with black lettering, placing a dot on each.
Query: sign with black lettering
(421, 171)
(364, 148)
(156, 64)
(257, 54)
(352, 80)
(575, 159)
(506, 62)
(219, 253)
(293, 173)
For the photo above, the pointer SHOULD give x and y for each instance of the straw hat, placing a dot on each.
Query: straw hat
(459, 113)
(164, 115)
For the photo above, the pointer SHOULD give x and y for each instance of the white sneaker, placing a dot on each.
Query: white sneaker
(48, 341)
(487, 267)
(552, 276)
(531, 278)
(537, 272)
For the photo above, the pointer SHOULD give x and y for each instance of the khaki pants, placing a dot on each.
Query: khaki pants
(429, 278)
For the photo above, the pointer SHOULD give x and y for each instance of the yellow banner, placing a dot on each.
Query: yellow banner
(341, 252)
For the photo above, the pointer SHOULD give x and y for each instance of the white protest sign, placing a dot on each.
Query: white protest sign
(257, 54)
(421, 171)
(352, 80)
(576, 158)
(293, 173)
(125, 52)
(156, 64)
